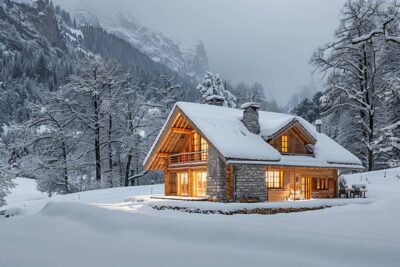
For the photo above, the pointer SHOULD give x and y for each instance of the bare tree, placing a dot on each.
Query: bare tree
(117, 84)
(49, 138)
(86, 89)
(356, 67)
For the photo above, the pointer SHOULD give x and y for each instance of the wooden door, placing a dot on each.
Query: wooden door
(306, 187)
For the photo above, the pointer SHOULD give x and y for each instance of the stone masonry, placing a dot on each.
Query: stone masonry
(250, 183)
(249, 179)
(216, 182)
(250, 117)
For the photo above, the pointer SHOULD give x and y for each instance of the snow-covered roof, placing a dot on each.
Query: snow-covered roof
(223, 127)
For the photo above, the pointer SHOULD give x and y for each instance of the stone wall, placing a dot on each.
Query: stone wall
(250, 183)
(250, 120)
(250, 180)
(216, 181)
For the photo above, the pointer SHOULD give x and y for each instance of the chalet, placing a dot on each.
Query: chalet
(225, 154)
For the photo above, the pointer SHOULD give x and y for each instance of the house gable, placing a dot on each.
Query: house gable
(171, 139)
(292, 139)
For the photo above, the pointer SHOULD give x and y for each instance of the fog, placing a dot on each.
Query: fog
(246, 40)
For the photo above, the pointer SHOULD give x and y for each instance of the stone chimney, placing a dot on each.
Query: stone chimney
(250, 116)
(318, 125)
(215, 100)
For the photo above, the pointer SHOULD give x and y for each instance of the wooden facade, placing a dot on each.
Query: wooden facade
(297, 183)
(292, 140)
(303, 183)
(182, 153)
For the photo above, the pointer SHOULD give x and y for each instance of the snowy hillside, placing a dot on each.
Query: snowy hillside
(103, 228)
(190, 60)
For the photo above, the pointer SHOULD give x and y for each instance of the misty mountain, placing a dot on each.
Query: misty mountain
(189, 60)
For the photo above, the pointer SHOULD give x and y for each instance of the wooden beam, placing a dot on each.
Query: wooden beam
(181, 130)
(162, 155)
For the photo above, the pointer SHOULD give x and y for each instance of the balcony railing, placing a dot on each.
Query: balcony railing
(189, 157)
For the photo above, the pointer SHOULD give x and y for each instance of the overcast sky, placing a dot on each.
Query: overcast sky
(269, 41)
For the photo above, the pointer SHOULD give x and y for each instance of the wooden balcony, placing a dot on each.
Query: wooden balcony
(188, 157)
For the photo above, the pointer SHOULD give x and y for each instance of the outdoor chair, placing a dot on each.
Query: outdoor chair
(344, 190)
(359, 190)
(364, 190)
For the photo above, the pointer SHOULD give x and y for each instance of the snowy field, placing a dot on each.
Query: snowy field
(112, 227)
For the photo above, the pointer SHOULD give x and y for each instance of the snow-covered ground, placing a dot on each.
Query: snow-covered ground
(111, 227)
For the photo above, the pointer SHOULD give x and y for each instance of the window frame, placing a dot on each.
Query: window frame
(201, 183)
(321, 184)
(277, 182)
(285, 143)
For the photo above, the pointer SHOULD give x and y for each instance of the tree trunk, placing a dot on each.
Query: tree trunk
(65, 167)
(371, 140)
(97, 138)
(110, 157)
(370, 116)
(128, 169)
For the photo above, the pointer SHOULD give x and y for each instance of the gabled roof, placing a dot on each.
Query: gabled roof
(294, 124)
(223, 128)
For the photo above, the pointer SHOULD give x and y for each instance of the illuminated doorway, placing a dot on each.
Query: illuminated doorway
(200, 180)
(183, 179)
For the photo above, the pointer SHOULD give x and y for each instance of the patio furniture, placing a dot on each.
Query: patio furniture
(344, 190)
(364, 190)
(349, 192)
(359, 190)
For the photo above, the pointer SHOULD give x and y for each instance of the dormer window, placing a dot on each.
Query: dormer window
(285, 144)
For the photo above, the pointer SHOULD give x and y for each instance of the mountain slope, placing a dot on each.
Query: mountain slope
(40, 46)
(190, 60)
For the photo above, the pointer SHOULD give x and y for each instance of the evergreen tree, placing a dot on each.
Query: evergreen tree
(311, 110)
(212, 87)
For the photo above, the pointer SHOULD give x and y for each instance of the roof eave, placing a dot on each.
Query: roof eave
(282, 164)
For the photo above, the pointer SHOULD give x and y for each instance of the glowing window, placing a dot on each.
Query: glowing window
(183, 180)
(199, 144)
(274, 179)
(322, 184)
(196, 142)
(285, 144)
(204, 145)
(201, 183)
(204, 149)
